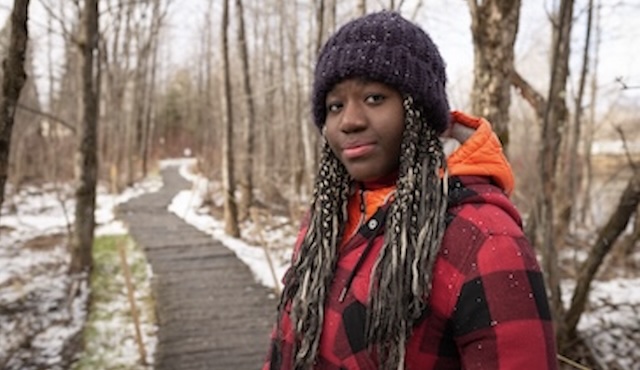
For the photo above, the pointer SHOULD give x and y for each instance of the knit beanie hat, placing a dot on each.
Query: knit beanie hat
(384, 47)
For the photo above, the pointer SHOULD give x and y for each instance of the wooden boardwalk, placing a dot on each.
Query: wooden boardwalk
(211, 313)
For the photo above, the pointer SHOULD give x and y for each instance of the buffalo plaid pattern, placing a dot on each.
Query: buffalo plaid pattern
(487, 310)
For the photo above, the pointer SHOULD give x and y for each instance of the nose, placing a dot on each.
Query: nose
(353, 117)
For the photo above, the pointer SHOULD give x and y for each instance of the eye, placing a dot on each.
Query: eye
(333, 107)
(375, 98)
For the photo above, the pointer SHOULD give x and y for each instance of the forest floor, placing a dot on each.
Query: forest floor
(42, 309)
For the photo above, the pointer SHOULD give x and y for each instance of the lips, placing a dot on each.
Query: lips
(357, 150)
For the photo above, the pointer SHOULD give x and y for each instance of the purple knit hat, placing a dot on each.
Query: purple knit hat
(387, 48)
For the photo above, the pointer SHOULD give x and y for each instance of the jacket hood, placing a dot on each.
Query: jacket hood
(479, 152)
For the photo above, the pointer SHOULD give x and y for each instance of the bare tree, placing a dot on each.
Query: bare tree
(148, 127)
(553, 123)
(361, 8)
(249, 136)
(268, 111)
(590, 124)
(149, 54)
(114, 54)
(209, 143)
(86, 155)
(553, 113)
(228, 180)
(494, 25)
(333, 15)
(577, 117)
(129, 55)
(27, 158)
(128, 154)
(320, 24)
(13, 80)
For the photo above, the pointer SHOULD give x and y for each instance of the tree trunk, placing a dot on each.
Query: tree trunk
(112, 125)
(150, 78)
(86, 155)
(13, 80)
(320, 24)
(205, 80)
(494, 25)
(228, 181)
(137, 122)
(148, 119)
(553, 124)
(267, 134)
(333, 15)
(249, 125)
(591, 123)
(569, 187)
(361, 8)
(295, 120)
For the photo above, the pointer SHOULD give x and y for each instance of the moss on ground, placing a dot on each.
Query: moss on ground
(109, 333)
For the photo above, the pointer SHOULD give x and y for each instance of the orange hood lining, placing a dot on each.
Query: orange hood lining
(481, 154)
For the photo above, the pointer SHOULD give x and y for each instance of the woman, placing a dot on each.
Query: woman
(412, 256)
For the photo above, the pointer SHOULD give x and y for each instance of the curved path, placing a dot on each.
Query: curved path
(211, 313)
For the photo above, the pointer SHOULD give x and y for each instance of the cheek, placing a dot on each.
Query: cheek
(394, 133)
(330, 137)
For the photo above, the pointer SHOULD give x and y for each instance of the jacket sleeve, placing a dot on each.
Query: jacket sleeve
(501, 318)
(280, 347)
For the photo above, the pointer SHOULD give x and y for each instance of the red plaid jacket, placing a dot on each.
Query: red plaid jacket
(488, 307)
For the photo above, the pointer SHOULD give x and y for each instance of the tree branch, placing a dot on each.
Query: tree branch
(624, 84)
(627, 152)
(534, 98)
(60, 20)
(607, 236)
(47, 115)
(473, 7)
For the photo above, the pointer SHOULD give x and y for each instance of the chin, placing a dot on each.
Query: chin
(365, 177)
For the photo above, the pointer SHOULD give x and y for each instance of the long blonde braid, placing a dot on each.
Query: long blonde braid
(415, 225)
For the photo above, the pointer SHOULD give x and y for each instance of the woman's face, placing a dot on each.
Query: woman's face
(364, 126)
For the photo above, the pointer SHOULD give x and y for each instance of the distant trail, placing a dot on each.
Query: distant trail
(211, 313)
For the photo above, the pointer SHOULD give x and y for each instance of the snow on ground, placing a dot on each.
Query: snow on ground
(612, 325)
(37, 320)
(187, 205)
(253, 256)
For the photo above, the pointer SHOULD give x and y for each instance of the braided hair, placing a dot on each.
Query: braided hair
(402, 274)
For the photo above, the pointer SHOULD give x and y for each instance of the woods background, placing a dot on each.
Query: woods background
(102, 87)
